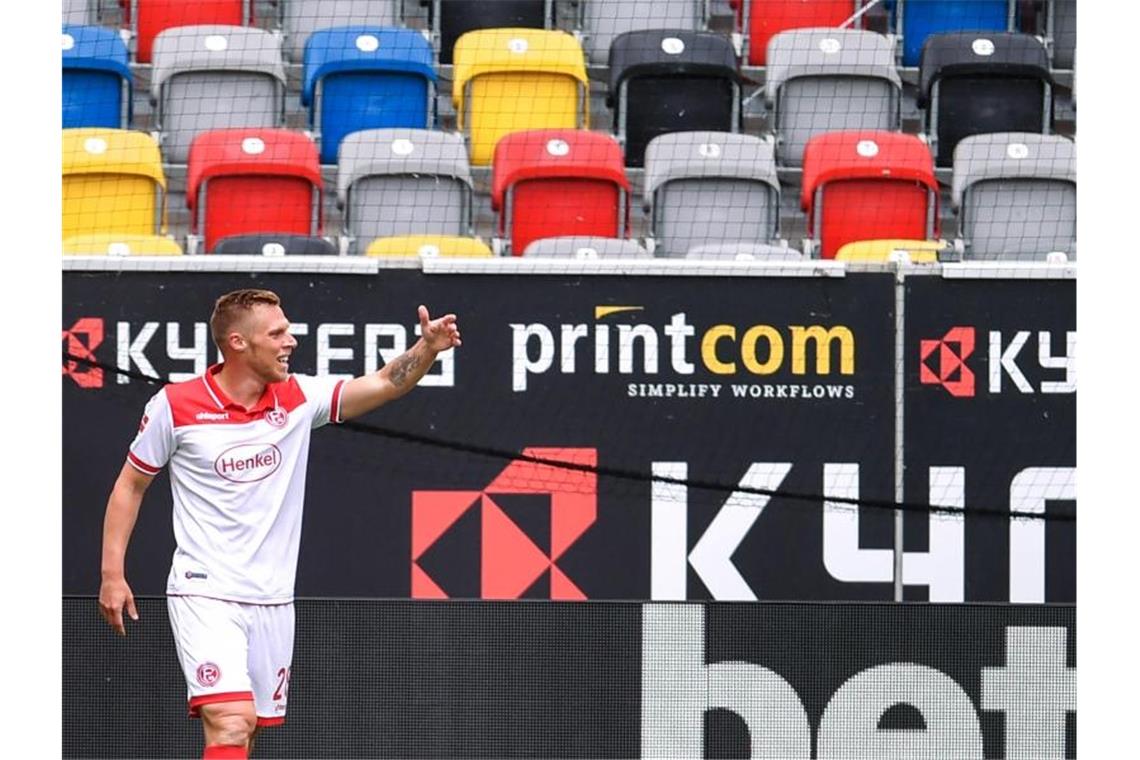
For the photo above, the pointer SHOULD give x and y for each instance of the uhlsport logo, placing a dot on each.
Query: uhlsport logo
(248, 462)
(505, 541)
(208, 673)
(944, 362)
(80, 340)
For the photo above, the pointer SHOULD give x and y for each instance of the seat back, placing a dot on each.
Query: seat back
(358, 77)
(451, 19)
(922, 18)
(602, 22)
(585, 247)
(826, 80)
(710, 187)
(743, 251)
(1064, 32)
(393, 182)
(767, 18)
(96, 78)
(300, 18)
(78, 12)
(113, 183)
(868, 186)
(429, 245)
(1016, 195)
(509, 80)
(274, 245)
(152, 17)
(556, 183)
(253, 181)
(973, 84)
(665, 81)
(215, 77)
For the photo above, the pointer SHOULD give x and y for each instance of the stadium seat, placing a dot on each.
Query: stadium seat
(121, 245)
(824, 80)
(252, 181)
(584, 247)
(361, 77)
(429, 245)
(214, 77)
(274, 245)
(556, 183)
(760, 20)
(300, 18)
(882, 251)
(665, 81)
(743, 252)
(451, 19)
(1016, 196)
(915, 20)
(508, 80)
(96, 78)
(1062, 31)
(972, 84)
(151, 17)
(393, 182)
(81, 12)
(113, 183)
(601, 21)
(710, 187)
(867, 186)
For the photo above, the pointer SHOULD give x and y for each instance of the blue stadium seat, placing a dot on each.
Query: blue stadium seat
(915, 20)
(366, 77)
(96, 78)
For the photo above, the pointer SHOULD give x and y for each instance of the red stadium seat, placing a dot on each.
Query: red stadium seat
(251, 181)
(868, 186)
(558, 182)
(763, 19)
(152, 16)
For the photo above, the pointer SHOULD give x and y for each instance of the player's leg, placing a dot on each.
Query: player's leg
(271, 633)
(212, 642)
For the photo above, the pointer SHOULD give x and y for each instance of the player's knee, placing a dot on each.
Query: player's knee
(229, 722)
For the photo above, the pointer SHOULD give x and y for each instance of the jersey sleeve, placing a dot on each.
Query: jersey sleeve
(154, 443)
(323, 396)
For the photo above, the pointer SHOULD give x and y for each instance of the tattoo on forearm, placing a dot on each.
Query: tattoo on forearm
(406, 365)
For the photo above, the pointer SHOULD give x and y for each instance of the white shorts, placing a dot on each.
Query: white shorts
(232, 651)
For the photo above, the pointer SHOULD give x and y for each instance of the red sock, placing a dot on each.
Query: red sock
(224, 752)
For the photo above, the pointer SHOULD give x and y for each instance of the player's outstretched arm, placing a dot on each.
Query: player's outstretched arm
(115, 595)
(397, 377)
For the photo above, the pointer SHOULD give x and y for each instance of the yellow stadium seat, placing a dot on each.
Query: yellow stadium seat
(428, 245)
(112, 183)
(879, 251)
(508, 80)
(120, 245)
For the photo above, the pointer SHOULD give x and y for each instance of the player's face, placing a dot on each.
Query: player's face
(270, 344)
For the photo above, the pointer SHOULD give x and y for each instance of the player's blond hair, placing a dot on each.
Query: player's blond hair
(233, 307)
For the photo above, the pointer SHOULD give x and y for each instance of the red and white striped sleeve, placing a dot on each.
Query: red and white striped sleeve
(154, 443)
(322, 392)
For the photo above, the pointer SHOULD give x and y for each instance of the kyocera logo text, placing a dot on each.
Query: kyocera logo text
(1011, 365)
(248, 462)
(720, 349)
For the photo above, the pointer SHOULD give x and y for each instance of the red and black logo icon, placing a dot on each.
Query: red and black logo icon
(80, 340)
(505, 541)
(943, 362)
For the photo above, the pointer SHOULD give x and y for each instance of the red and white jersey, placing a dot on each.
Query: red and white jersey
(238, 480)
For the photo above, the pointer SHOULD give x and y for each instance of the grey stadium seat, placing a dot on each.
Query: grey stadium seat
(710, 187)
(404, 182)
(744, 252)
(215, 77)
(300, 18)
(274, 245)
(826, 80)
(585, 247)
(1063, 29)
(601, 21)
(78, 12)
(1016, 196)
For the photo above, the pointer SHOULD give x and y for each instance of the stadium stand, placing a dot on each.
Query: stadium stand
(508, 80)
(393, 182)
(121, 245)
(760, 20)
(151, 17)
(451, 19)
(882, 251)
(671, 81)
(1061, 31)
(429, 245)
(557, 183)
(915, 20)
(274, 245)
(600, 22)
(973, 84)
(214, 77)
(80, 12)
(252, 181)
(705, 188)
(743, 252)
(825, 80)
(867, 186)
(1016, 196)
(113, 183)
(97, 90)
(359, 77)
(585, 247)
(300, 18)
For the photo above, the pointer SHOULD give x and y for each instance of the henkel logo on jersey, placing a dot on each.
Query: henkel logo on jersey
(248, 462)
(504, 541)
(1011, 364)
(80, 340)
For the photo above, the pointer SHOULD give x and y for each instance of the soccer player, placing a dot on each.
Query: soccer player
(237, 442)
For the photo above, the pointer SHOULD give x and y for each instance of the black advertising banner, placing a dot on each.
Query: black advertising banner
(990, 423)
(751, 383)
(417, 679)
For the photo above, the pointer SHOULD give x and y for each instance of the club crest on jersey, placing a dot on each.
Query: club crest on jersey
(277, 417)
(208, 673)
